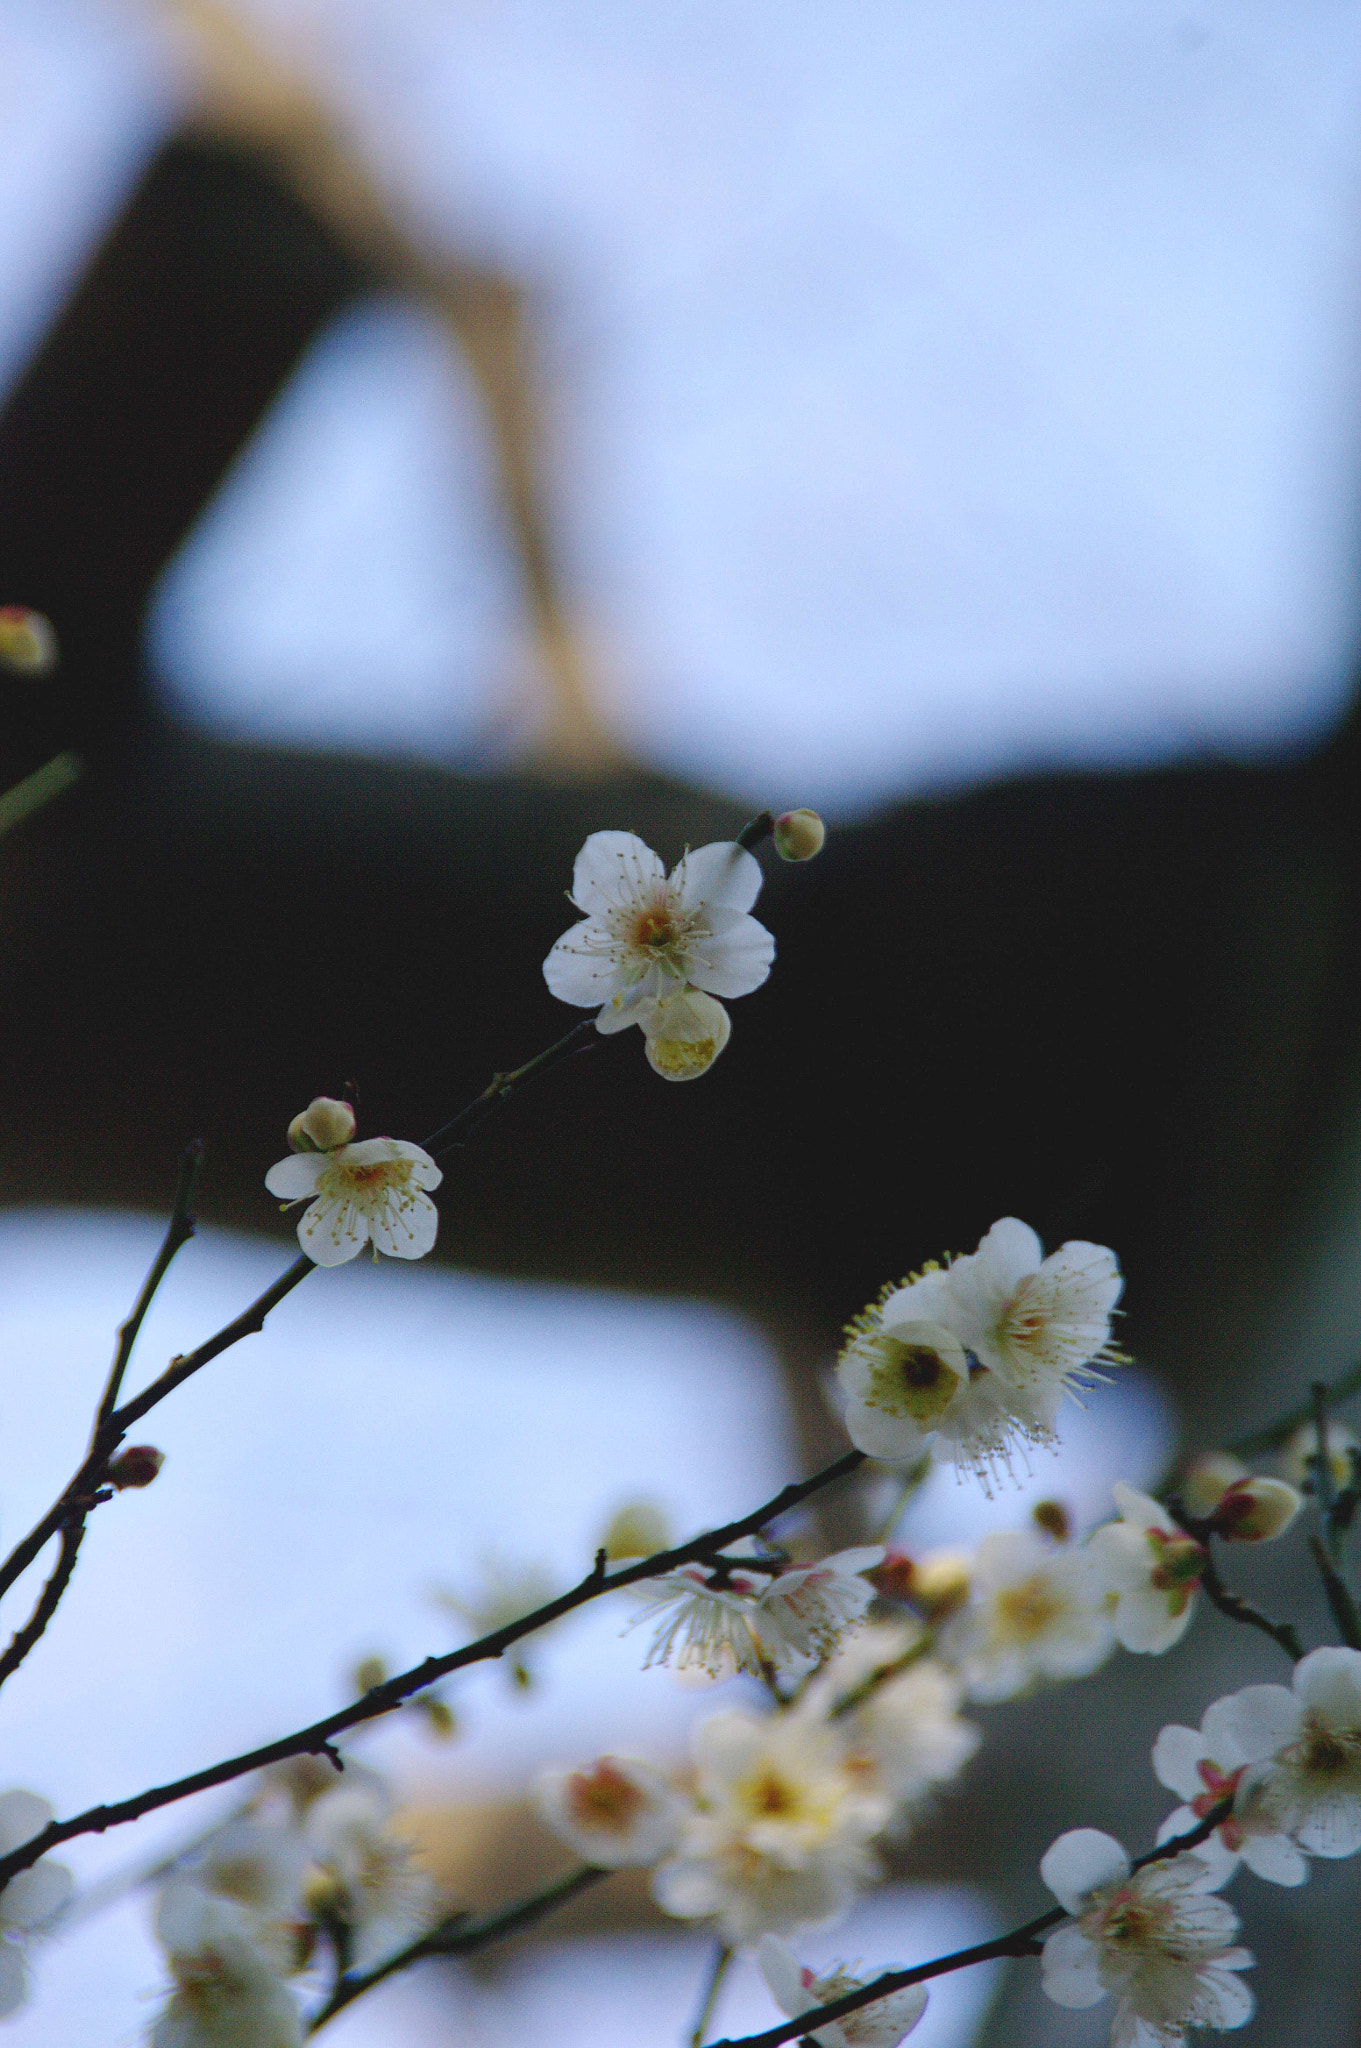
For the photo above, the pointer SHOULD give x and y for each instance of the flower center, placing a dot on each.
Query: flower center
(603, 1798)
(773, 1795)
(369, 1184)
(911, 1379)
(1328, 1752)
(1026, 1610)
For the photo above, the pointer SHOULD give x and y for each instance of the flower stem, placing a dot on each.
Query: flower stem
(718, 1970)
(39, 788)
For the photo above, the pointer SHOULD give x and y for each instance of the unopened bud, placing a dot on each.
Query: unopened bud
(1297, 1458)
(325, 1897)
(27, 642)
(1256, 1511)
(1180, 1560)
(941, 1581)
(894, 1579)
(638, 1529)
(324, 1124)
(136, 1466)
(799, 835)
(369, 1674)
(684, 1034)
(1208, 1479)
(1053, 1517)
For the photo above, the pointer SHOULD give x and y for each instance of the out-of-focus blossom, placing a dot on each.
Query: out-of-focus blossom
(259, 1867)
(1206, 1768)
(1300, 1454)
(1302, 1746)
(779, 1833)
(896, 1713)
(1155, 1939)
(373, 1191)
(1208, 1478)
(645, 935)
(617, 1812)
(1034, 1612)
(882, 2024)
(30, 1898)
(637, 1529)
(27, 641)
(228, 1993)
(1153, 1569)
(367, 1882)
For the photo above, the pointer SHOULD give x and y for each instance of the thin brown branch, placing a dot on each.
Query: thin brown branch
(48, 1601)
(456, 1937)
(317, 1739)
(1339, 1595)
(1022, 1941)
(1233, 1605)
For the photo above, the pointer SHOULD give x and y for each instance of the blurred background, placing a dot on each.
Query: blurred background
(438, 429)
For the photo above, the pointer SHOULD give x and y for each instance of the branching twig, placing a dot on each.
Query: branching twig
(48, 1601)
(1339, 1596)
(1217, 1593)
(1276, 1433)
(1022, 1941)
(456, 1937)
(316, 1739)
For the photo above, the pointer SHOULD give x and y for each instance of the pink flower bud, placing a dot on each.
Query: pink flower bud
(322, 1126)
(136, 1466)
(799, 835)
(1255, 1511)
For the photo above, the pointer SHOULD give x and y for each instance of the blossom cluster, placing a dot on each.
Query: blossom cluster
(314, 1870)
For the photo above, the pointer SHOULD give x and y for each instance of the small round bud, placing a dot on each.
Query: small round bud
(1297, 1456)
(369, 1674)
(1053, 1517)
(684, 1034)
(941, 1582)
(638, 1529)
(322, 1126)
(895, 1579)
(1255, 1511)
(136, 1466)
(799, 835)
(1208, 1479)
(27, 642)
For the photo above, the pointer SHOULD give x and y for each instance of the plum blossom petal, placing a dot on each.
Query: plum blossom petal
(1151, 1567)
(1071, 1967)
(1034, 1612)
(1310, 1787)
(1043, 1325)
(1080, 1863)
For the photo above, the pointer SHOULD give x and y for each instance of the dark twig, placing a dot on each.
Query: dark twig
(68, 1515)
(759, 828)
(456, 1937)
(1233, 1605)
(1022, 1941)
(501, 1087)
(384, 1698)
(1339, 1596)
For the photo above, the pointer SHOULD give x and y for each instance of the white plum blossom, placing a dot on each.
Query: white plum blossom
(1151, 1567)
(619, 1811)
(1034, 1611)
(974, 1357)
(259, 1866)
(30, 1898)
(757, 1619)
(778, 1835)
(796, 1990)
(806, 1609)
(1156, 1939)
(1303, 1750)
(895, 1710)
(1205, 1767)
(369, 1883)
(372, 1191)
(228, 1992)
(1042, 1325)
(646, 937)
(699, 1623)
